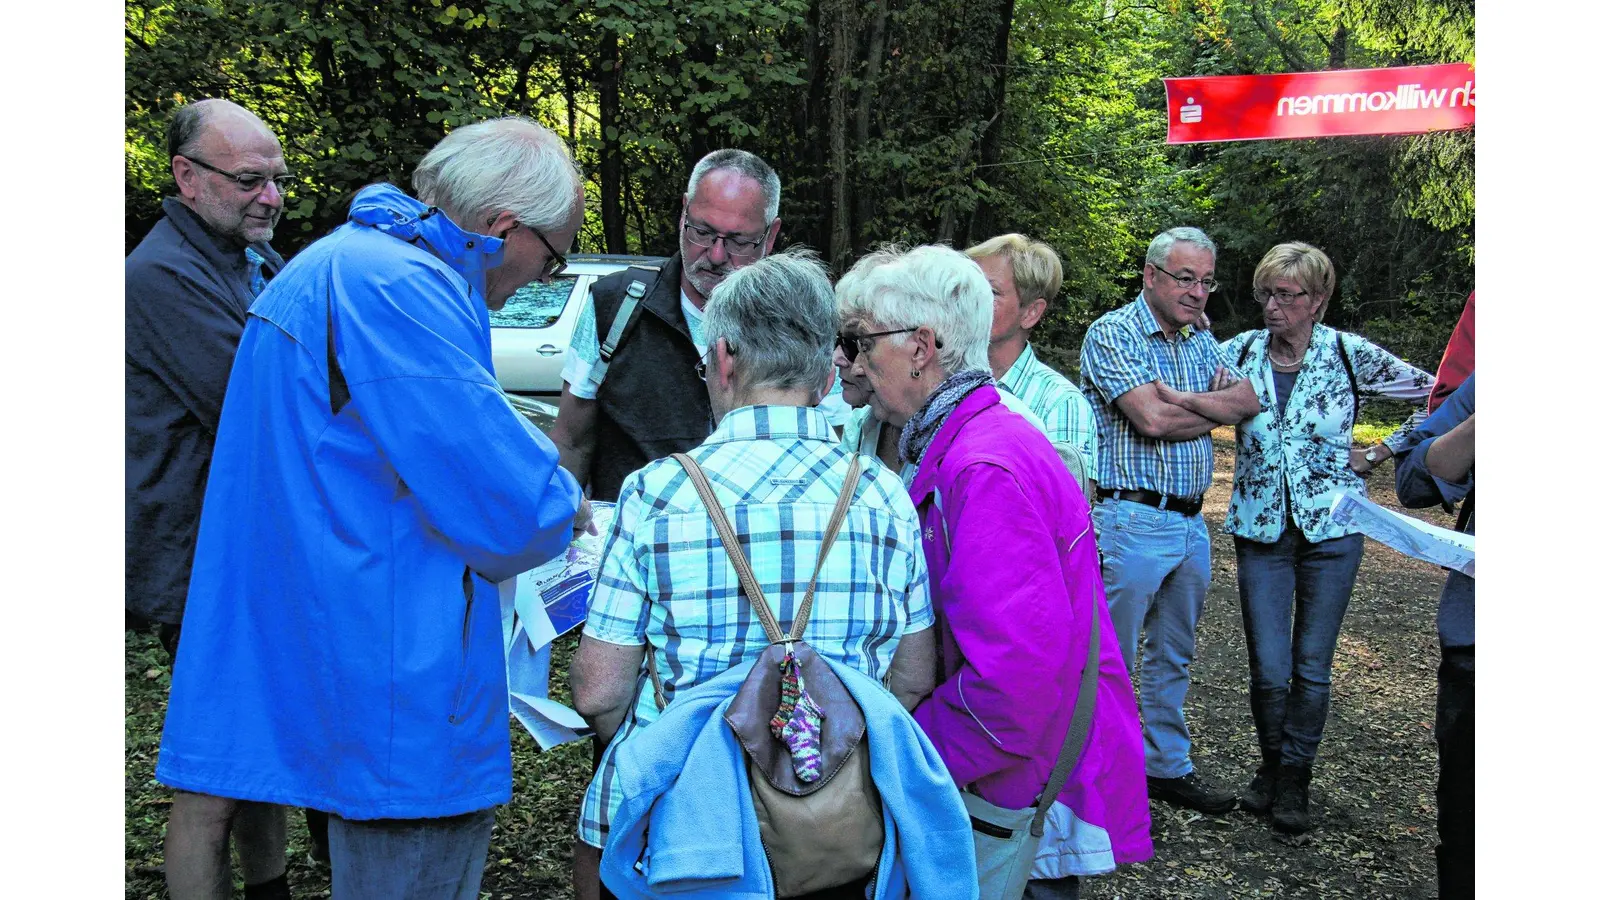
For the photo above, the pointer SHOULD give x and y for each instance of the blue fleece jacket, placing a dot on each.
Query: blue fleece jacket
(688, 829)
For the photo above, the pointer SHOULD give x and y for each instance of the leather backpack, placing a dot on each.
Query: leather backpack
(803, 734)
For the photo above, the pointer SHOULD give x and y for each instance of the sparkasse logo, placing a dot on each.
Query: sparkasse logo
(1405, 96)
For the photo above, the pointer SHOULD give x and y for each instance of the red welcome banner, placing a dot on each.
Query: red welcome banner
(1405, 100)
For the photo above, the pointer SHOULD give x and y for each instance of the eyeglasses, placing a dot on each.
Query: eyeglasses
(554, 264)
(1284, 298)
(700, 367)
(249, 182)
(735, 244)
(1187, 282)
(851, 343)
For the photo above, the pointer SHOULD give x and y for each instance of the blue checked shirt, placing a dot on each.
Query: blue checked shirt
(665, 579)
(1122, 350)
(1068, 418)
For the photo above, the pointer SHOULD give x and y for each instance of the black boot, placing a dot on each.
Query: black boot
(1257, 798)
(1290, 808)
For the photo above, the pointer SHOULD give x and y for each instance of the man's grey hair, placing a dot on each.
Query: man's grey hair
(1161, 247)
(188, 124)
(746, 164)
(513, 164)
(779, 316)
(936, 286)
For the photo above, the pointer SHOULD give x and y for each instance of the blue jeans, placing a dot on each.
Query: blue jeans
(1156, 565)
(1293, 593)
(409, 859)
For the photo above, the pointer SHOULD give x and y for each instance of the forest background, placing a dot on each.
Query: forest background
(888, 120)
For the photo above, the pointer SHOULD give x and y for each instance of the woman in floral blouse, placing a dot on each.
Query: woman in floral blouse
(1296, 565)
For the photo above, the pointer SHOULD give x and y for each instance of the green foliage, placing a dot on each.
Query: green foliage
(920, 126)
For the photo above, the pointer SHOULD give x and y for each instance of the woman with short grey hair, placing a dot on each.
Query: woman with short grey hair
(668, 593)
(1015, 576)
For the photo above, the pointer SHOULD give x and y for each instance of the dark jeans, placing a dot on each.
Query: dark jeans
(1453, 729)
(409, 859)
(1293, 594)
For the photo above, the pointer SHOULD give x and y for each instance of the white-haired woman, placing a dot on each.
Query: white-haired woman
(1014, 569)
(865, 432)
(1297, 566)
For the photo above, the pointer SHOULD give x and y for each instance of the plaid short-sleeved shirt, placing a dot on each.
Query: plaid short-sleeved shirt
(665, 579)
(1122, 350)
(1065, 411)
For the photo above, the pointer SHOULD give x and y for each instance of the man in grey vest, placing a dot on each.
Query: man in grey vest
(631, 394)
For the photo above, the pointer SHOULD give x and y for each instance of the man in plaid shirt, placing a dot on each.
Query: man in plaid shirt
(1144, 365)
(666, 582)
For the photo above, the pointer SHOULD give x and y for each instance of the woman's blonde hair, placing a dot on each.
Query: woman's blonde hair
(1303, 264)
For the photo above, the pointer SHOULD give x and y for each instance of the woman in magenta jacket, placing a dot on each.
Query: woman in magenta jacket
(1015, 571)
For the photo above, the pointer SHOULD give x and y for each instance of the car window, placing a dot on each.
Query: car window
(535, 305)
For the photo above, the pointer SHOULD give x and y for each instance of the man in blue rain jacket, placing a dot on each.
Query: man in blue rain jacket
(342, 646)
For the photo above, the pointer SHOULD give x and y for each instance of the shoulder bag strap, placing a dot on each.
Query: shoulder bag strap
(1078, 731)
(1244, 349)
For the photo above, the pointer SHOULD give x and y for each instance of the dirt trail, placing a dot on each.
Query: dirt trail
(1372, 793)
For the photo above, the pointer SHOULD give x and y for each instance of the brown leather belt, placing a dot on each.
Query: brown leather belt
(1151, 498)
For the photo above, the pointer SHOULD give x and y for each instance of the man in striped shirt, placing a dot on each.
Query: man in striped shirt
(1025, 276)
(1138, 363)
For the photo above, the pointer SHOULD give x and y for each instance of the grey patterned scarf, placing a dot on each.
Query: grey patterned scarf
(922, 426)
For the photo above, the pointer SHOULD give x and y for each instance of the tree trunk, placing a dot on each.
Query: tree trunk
(840, 56)
(613, 223)
(983, 218)
(1337, 47)
(864, 107)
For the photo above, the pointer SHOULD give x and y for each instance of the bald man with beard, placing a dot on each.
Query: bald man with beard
(188, 286)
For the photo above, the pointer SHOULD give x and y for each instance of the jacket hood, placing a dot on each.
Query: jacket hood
(388, 209)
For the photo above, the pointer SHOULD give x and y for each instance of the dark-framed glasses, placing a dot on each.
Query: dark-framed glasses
(736, 244)
(1284, 298)
(850, 344)
(1187, 282)
(249, 182)
(556, 264)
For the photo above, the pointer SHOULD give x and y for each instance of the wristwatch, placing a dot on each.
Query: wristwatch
(1372, 455)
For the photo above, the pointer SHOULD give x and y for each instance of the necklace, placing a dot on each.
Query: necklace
(1292, 364)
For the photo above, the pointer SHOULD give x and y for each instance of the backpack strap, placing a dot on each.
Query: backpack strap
(1078, 731)
(1350, 373)
(1244, 349)
(627, 314)
(741, 565)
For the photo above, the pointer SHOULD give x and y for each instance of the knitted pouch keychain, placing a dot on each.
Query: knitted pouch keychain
(798, 722)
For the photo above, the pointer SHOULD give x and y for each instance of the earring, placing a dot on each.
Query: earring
(916, 373)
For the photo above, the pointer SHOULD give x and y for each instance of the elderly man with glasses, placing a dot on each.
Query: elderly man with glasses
(188, 286)
(1158, 385)
(342, 642)
(630, 394)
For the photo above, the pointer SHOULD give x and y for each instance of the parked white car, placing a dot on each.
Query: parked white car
(531, 334)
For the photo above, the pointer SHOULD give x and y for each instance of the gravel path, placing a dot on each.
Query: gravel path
(1372, 793)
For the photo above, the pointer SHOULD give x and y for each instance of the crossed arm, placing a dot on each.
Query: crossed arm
(1164, 413)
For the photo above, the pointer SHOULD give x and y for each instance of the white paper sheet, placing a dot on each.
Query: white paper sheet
(1413, 537)
(536, 607)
